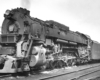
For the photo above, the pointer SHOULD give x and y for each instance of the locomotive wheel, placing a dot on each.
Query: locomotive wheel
(73, 62)
(25, 67)
(55, 64)
(70, 62)
(63, 63)
(43, 67)
(58, 64)
(50, 65)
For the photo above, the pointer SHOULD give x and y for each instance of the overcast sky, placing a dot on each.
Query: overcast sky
(79, 15)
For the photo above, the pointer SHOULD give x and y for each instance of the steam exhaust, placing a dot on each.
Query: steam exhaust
(25, 4)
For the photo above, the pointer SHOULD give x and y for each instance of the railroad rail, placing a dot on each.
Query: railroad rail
(3, 76)
(85, 72)
(89, 76)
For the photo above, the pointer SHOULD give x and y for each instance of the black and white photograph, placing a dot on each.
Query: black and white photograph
(49, 40)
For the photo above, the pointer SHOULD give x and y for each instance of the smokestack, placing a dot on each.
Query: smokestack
(25, 4)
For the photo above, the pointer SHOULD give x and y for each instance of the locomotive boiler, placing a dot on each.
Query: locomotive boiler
(29, 43)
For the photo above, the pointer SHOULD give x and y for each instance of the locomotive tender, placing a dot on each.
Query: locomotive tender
(29, 43)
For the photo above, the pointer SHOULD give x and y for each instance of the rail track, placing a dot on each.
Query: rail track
(86, 72)
(82, 74)
(89, 76)
(3, 76)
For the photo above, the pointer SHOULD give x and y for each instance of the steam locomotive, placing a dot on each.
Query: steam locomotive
(28, 43)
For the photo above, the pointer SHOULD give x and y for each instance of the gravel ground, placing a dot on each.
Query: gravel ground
(98, 78)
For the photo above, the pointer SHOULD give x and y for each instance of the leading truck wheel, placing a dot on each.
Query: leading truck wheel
(25, 67)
